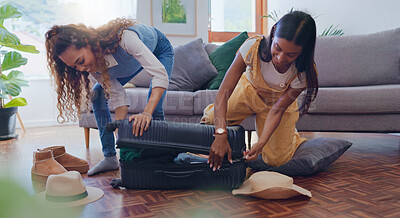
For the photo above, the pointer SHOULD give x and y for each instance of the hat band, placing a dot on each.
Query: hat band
(66, 198)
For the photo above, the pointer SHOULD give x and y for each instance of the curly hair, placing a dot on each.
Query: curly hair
(73, 86)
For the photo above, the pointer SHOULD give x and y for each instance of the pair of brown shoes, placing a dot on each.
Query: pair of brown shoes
(54, 160)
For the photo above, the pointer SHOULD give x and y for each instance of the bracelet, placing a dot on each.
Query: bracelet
(147, 114)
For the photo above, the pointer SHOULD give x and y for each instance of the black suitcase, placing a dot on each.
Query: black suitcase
(178, 137)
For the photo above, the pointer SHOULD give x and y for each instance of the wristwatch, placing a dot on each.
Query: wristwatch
(220, 131)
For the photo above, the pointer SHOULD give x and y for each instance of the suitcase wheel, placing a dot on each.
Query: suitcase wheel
(116, 183)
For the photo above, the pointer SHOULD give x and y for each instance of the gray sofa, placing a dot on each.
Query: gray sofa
(359, 79)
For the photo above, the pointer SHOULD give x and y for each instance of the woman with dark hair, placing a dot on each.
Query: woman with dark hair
(112, 54)
(276, 70)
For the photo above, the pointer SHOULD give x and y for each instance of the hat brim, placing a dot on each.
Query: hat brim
(94, 194)
(273, 192)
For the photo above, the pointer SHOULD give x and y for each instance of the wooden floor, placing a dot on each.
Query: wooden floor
(364, 182)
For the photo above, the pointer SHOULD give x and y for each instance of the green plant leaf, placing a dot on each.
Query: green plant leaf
(9, 11)
(12, 60)
(273, 16)
(7, 38)
(2, 88)
(11, 40)
(17, 77)
(332, 31)
(12, 83)
(8, 87)
(16, 102)
(25, 48)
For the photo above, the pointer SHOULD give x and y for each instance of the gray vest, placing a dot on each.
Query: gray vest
(127, 64)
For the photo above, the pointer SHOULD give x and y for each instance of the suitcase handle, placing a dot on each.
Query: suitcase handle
(111, 127)
(178, 175)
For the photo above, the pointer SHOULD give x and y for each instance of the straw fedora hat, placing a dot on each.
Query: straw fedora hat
(270, 185)
(68, 190)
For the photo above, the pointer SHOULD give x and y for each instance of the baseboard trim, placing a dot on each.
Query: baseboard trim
(43, 123)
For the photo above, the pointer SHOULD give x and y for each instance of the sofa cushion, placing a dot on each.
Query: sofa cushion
(192, 67)
(87, 120)
(312, 156)
(137, 98)
(349, 123)
(175, 102)
(202, 99)
(356, 100)
(358, 60)
(223, 57)
(178, 103)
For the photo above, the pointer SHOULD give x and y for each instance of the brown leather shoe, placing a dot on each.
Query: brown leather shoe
(69, 162)
(44, 165)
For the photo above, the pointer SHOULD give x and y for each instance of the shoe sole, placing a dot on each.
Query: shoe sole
(81, 169)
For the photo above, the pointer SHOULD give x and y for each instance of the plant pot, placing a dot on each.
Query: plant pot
(8, 117)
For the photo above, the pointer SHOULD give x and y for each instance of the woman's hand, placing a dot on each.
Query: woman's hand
(218, 149)
(254, 152)
(141, 122)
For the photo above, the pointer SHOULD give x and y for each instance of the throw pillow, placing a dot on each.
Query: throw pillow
(192, 68)
(223, 57)
(310, 157)
(210, 47)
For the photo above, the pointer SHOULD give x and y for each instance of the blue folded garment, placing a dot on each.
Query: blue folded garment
(185, 158)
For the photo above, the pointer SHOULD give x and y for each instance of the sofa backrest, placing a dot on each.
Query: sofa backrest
(359, 60)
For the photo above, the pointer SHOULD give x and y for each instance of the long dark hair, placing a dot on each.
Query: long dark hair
(72, 86)
(300, 28)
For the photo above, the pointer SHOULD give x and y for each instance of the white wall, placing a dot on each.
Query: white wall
(353, 16)
(42, 104)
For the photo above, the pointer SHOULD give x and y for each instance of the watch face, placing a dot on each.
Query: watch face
(220, 130)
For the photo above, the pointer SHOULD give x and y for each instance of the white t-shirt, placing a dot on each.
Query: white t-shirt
(272, 77)
(131, 43)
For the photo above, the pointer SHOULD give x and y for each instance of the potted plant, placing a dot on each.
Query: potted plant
(11, 80)
(329, 31)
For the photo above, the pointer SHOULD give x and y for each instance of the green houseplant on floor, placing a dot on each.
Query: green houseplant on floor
(11, 80)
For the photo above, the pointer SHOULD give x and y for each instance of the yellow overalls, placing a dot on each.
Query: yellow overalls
(245, 102)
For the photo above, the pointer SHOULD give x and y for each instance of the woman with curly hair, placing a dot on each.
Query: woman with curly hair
(112, 54)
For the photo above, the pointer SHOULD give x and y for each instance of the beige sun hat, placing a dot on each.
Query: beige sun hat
(68, 190)
(270, 185)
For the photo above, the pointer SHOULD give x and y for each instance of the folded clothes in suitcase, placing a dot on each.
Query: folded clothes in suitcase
(175, 138)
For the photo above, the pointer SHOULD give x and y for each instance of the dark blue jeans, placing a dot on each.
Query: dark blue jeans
(165, 54)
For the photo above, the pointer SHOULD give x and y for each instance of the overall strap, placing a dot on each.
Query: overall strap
(252, 57)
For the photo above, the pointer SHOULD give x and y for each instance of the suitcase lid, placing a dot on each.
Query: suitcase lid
(181, 137)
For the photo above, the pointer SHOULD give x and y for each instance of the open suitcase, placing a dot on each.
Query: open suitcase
(178, 137)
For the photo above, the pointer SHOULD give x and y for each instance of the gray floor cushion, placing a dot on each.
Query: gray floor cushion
(311, 156)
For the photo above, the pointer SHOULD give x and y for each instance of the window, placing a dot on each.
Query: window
(230, 17)
(40, 16)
